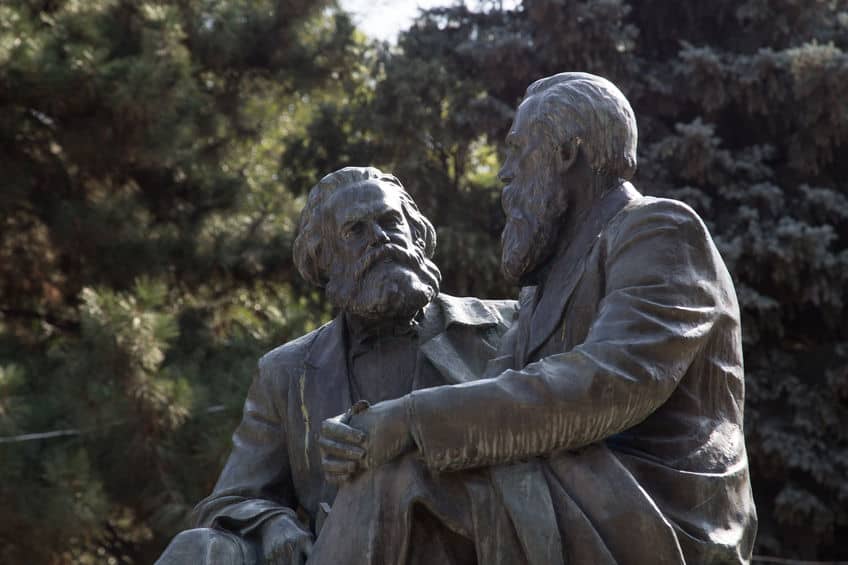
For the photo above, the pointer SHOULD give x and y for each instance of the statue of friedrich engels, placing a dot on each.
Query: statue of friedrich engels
(607, 428)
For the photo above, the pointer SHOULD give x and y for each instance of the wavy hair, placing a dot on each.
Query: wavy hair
(313, 233)
(592, 109)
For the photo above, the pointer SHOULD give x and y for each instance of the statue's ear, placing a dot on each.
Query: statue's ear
(568, 152)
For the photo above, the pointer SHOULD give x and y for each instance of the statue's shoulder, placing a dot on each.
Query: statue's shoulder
(647, 212)
(290, 356)
(656, 206)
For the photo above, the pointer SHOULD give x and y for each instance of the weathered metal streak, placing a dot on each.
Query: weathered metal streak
(304, 411)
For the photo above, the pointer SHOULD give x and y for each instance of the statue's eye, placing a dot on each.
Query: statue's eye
(352, 230)
(391, 221)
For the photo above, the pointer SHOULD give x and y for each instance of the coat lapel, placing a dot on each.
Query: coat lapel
(447, 359)
(324, 386)
(569, 268)
(443, 348)
(526, 305)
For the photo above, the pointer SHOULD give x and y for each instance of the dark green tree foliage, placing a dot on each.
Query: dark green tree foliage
(144, 252)
(742, 114)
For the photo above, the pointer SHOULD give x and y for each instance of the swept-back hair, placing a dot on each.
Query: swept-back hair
(310, 253)
(593, 110)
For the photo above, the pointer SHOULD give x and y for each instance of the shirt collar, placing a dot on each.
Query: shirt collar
(466, 311)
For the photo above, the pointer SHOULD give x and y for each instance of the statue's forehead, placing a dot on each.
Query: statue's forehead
(525, 117)
(363, 199)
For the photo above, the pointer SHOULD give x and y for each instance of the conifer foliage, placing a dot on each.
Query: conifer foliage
(145, 251)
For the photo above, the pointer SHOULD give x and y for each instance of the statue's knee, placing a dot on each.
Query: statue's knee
(205, 546)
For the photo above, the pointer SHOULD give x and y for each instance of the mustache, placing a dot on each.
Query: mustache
(387, 252)
(517, 216)
(508, 199)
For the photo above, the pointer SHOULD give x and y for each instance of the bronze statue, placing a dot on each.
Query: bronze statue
(609, 428)
(363, 238)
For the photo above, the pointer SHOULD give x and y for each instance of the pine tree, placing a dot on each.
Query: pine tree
(145, 253)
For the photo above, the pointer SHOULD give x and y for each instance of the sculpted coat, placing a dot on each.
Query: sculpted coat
(615, 434)
(275, 464)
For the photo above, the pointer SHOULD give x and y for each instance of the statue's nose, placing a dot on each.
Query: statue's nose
(378, 235)
(505, 174)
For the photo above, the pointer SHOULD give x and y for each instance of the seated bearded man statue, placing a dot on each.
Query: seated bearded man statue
(363, 239)
(610, 425)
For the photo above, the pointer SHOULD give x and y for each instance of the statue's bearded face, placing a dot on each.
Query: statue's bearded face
(530, 201)
(377, 270)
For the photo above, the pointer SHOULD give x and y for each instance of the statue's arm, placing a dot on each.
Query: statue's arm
(665, 288)
(255, 484)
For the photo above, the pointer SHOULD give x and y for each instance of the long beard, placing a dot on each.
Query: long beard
(389, 282)
(532, 224)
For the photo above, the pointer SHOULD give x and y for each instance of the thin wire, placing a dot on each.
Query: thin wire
(73, 432)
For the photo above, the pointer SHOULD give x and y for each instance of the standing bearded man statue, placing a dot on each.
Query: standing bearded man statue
(610, 427)
(363, 239)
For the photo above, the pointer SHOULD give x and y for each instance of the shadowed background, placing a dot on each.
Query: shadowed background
(154, 156)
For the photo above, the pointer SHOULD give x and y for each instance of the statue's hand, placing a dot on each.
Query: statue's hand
(386, 425)
(364, 438)
(341, 447)
(284, 542)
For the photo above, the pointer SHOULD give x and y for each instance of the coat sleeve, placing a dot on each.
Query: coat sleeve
(255, 484)
(665, 288)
